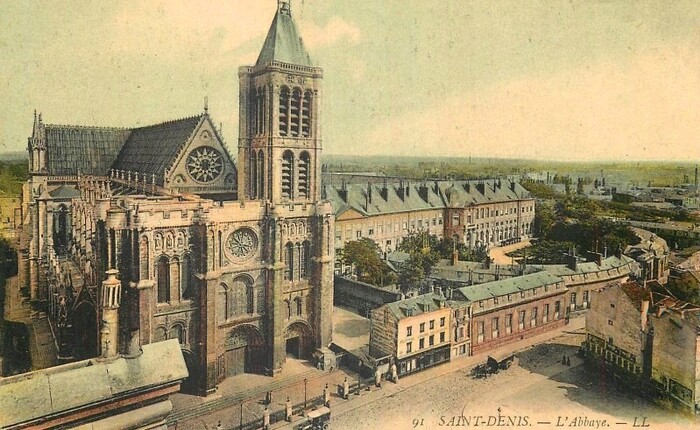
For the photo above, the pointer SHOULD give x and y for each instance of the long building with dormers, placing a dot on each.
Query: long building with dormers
(485, 212)
(138, 235)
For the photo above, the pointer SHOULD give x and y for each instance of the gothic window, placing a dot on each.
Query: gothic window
(298, 304)
(253, 175)
(204, 164)
(303, 182)
(221, 251)
(261, 175)
(304, 259)
(186, 276)
(289, 261)
(259, 117)
(306, 115)
(294, 113)
(175, 277)
(287, 174)
(250, 299)
(222, 303)
(243, 300)
(163, 274)
(177, 331)
(284, 111)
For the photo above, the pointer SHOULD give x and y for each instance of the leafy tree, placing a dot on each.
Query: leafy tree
(364, 256)
(686, 288)
(545, 217)
(540, 190)
(411, 276)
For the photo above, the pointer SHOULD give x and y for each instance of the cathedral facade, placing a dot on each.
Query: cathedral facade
(233, 259)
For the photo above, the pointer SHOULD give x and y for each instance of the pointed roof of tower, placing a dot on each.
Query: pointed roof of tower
(283, 42)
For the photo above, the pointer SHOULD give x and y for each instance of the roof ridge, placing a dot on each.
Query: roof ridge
(171, 121)
(87, 127)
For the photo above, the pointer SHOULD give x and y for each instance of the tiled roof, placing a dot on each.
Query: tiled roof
(418, 305)
(88, 150)
(475, 293)
(283, 43)
(152, 149)
(636, 293)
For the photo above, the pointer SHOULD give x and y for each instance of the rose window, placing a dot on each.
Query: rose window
(205, 164)
(242, 243)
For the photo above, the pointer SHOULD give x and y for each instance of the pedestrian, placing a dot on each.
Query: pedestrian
(345, 388)
(288, 410)
(568, 360)
(326, 396)
(219, 426)
(266, 418)
(563, 360)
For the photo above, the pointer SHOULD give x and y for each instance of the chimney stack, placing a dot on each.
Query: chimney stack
(645, 314)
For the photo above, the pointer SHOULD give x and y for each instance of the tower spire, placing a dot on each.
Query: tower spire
(284, 6)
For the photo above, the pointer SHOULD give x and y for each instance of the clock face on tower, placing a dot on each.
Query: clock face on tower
(242, 243)
(204, 164)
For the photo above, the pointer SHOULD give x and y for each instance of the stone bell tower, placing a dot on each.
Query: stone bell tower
(280, 131)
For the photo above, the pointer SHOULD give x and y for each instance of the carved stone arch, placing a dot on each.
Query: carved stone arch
(244, 351)
(158, 241)
(181, 239)
(299, 339)
(169, 240)
(160, 333)
(178, 330)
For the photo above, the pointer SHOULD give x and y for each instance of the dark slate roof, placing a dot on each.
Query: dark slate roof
(392, 199)
(60, 389)
(406, 196)
(283, 43)
(417, 305)
(152, 149)
(88, 150)
(64, 192)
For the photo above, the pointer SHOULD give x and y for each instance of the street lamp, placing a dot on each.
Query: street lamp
(305, 381)
(241, 422)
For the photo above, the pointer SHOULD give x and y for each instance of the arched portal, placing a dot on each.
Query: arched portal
(245, 352)
(85, 329)
(299, 340)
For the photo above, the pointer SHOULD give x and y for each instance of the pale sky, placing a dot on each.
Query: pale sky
(564, 80)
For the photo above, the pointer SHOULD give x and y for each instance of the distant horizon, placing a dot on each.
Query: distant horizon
(21, 155)
(539, 80)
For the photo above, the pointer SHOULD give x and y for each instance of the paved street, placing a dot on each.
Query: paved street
(498, 254)
(539, 392)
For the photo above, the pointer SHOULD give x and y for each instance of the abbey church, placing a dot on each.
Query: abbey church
(139, 235)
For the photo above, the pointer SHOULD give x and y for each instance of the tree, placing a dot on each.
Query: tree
(685, 287)
(364, 256)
